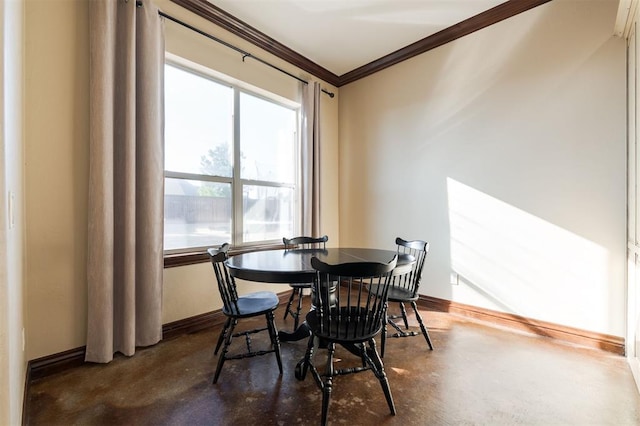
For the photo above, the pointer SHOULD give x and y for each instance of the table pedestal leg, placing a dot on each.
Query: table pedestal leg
(300, 333)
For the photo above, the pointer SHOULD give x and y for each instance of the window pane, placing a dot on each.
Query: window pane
(198, 124)
(267, 140)
(196, 214)
(268, 212)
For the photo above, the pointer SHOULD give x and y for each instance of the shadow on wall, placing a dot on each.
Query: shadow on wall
(521, 264)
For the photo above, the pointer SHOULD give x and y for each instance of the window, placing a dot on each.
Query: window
(231, 164)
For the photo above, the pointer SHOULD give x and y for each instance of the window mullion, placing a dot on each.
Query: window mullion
(193, 176)
(267, 183)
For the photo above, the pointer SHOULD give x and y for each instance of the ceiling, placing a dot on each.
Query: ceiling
(341, 35)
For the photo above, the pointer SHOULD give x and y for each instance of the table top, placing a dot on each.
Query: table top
(287, 266)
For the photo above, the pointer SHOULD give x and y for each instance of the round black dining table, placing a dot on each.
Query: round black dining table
(294, 266)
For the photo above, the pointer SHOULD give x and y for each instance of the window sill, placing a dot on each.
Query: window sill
(201, 256)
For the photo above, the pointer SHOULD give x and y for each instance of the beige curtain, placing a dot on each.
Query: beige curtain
(125, 212)
(311, 159)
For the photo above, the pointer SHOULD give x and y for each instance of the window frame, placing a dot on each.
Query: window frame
(193, 255)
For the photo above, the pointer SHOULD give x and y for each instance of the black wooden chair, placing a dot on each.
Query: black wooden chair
(404, 289)
(348, 314)
(237, 307)
(297, 289)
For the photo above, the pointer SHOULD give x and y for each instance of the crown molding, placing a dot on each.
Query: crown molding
(627, 10)
(213, 14)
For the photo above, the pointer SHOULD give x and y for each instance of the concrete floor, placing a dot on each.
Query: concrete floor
(477, 375)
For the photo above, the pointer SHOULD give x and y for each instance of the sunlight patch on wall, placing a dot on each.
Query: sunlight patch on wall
(524, 265)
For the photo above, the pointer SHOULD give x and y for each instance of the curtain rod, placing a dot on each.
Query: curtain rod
(244, 54)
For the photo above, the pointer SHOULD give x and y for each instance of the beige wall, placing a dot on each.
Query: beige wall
(56, 174)
(506, 151)
(12, 356)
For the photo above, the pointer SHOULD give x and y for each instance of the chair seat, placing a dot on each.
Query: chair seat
(397, 294)
(343, 331)
(253, 304)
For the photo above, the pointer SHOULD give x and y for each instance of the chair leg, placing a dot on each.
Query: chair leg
(299, 308)
(328, 383)
(290, 302)
(425, 333)
(378, 369)
(404, 316)
(222, 334)
(275, 340)
(383, 335)
(223, 356)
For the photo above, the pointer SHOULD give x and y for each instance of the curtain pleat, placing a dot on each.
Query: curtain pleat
(311, 159)
(125, 211)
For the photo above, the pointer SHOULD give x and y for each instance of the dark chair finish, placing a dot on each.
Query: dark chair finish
(404, 289)
(237, 307)
(349, 314)
(300, 243)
